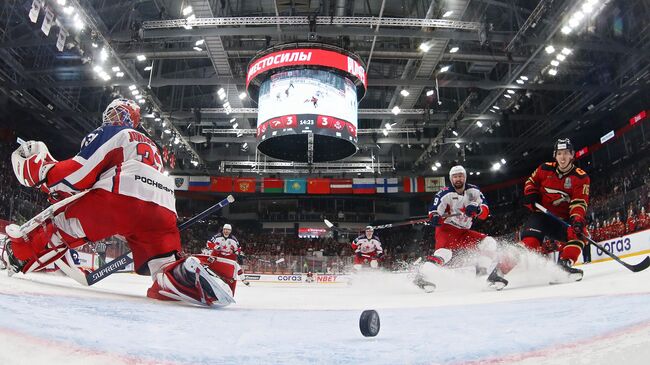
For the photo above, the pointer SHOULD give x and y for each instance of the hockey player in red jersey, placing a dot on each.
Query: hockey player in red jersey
(125, 193)
(367, 249)
(461, 203)
(225, 247)
(563, 189)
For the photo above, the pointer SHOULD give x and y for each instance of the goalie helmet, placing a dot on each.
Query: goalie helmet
(562, 144)
(122, 112)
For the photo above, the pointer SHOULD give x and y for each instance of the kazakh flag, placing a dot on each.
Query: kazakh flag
(295, 186)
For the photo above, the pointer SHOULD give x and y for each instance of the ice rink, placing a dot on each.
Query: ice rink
(604, 319)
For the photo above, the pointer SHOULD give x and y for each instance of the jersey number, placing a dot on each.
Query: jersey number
(149, 156)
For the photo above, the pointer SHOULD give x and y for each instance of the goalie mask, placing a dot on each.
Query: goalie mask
(122, 112)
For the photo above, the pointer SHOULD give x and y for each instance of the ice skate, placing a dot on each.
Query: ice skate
(496, 280)
(423, 284)
(573, 274)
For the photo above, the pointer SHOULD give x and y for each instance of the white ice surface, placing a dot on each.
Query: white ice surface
(605, 319)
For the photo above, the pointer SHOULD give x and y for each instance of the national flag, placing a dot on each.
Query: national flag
(413, 184)
(433, 184)
(386, 185)
(318, 186)
(181, 182)
(363, 186)
(271, 185)
(221, 184)
(245, 185)
(341, 186)
(295, 186)
(199, 183)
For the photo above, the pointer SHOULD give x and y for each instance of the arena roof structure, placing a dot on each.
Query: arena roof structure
(477, 82)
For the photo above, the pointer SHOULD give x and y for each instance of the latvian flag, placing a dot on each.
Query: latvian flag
(387, 185)
(413, 185)
(199, 183)
(363, 186)
(341, 186)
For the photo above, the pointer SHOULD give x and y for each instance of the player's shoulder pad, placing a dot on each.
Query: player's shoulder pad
(472, 186)
(444, 191)
(580, 172)
(548, 166)
(232, 237)
(375, 237)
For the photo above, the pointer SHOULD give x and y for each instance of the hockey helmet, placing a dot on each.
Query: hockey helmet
(227, 226)
(458, 169)
(369, 228)
(562, 144)
(122, 112)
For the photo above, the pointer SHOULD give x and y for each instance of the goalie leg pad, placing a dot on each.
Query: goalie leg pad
(187, 280)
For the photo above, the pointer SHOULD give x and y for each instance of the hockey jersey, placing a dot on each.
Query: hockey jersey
(117, 159)
(564, 194)
(367, 245)
(447, 201)
(224, 245)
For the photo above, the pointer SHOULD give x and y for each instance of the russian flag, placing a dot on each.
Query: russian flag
(413, 184)
(199, 183)
(363, 186)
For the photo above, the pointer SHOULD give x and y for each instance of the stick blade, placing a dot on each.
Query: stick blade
(641, 265)
(230, 198)
(328, 223)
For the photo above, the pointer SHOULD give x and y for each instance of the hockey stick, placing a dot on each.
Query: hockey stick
(122, 261)
(389, 225)
(634, 268)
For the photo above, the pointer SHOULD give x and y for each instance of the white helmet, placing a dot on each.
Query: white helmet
(369, 228)
(123, 112)
(227, 226)
(458, 169)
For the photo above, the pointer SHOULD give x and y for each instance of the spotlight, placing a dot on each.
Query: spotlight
(549, 49)
(404, 93)
(141, 57)
(454, 49)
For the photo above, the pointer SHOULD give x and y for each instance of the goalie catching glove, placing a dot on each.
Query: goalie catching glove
(31, 163)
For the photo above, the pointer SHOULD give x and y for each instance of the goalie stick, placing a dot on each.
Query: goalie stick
(634, 268)
(121, 262)
(331, 225)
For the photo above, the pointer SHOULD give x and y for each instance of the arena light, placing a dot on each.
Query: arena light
(454, 133)
(232, 120)
(221, 93)
(457, 145)
(454, 49)
(141, 57)
(198, 49)
(199, 42)
(430, 93)
(555, 63)
(503, 161)
(385, 132)
(434, 168)
(396, 110)
(103, 54)
(552, 71)
(438, 164)
(191, 17)
(566, 51)
(447, 14)
(507, 96)
(566, 30)
(549, 49)
(195, 163)
(235, 125)
(471, 172)
(98, 69)
(587, 7)
(478, 172)
(444, 68)
(148, 68)
(479, 124)
(157, 119)
(119, 74)
(404, 93)
(560, 57)
(116, 69)
(135, 92)
(138, 97)
(141, 101)
(105, 76)
(496, 166)
(496, 107)
(177, 141)
(94, 45)
(187, 10)
(78, 24)
(61, 2)
(68, 9)
(525, 78)
(168, 131)
(425, 47)
(132, 87)
(520, 82)
(242, 95)
(511, 91)
(388, 126)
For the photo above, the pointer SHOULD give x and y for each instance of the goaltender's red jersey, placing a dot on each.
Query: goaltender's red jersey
(564, 194)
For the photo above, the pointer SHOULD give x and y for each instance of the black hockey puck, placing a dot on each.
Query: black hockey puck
(369, 323)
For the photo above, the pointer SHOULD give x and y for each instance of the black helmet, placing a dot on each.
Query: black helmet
(563, 144)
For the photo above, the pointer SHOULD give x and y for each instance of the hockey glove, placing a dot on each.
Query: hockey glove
(240, 259)
(435, 220)
(577, 229)
(359, 254)
(31, 162)
(529, 201)
(379, 255)
(472, 210)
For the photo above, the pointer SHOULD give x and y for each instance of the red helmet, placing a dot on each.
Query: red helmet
(122, 112)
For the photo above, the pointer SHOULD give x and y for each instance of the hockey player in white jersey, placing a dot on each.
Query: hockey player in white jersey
(225, 245)
(452, 213)
(125, 193)
(367, 249)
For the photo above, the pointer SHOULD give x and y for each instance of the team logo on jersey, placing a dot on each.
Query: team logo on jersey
(179, 181)
(567, 183)
(562, 196)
